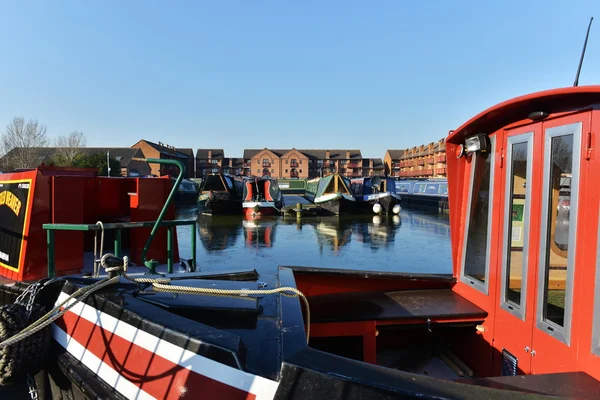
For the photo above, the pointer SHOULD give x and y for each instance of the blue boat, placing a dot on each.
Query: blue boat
(423, 193)
(376, 194)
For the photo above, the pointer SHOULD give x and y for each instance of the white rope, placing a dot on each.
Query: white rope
(158, 284)
(98, 255)
(56, 312)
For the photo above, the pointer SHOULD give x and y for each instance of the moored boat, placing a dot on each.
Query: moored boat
(376, 195)
(332, 194)
(517, 318)
(220, 194)
(261, 197)
(424, 193)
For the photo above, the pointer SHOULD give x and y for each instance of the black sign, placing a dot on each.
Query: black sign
(14, 196)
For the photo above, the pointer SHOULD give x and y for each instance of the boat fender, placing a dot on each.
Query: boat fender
(256, 209)
(396, 209)
(377, 208)
(27, 356)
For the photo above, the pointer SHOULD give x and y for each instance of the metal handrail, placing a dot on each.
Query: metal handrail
(117, 227)
(152, 264)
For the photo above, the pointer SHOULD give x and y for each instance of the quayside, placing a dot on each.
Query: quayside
(518, 317)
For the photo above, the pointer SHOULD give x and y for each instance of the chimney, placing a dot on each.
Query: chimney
(327, 154)
(210, 154)
(348, 154)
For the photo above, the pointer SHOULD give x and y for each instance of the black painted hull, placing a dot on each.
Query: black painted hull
(338, 206)
(220, 207)
(425, 202)
(387, 203)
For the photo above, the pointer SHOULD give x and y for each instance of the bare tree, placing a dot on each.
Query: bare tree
(25, 138)
(69, 148)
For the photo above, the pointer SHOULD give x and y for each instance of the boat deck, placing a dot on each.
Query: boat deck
(402, 306)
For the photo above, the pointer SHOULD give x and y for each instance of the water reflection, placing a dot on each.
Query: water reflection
(361, 242)
(218, 234)
(259, 232)
(332, 232)
(379, 232)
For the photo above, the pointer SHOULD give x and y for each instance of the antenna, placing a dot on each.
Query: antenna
(583, 53)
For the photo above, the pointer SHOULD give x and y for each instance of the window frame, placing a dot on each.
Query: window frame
(518, 310)
(563, 333)
(596, 310)
(483, 287)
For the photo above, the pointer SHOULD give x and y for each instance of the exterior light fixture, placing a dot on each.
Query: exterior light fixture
(476, 143)
(460, 151)
(536, 115)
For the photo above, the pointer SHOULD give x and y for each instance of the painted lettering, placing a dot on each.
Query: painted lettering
(11, 201)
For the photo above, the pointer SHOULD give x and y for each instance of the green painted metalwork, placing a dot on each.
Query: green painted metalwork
(50, 244)
(152, 264)
(170, 250)
(118, 227)
(118, 242)
(194, 246)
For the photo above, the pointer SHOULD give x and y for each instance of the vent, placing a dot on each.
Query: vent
(509, 364)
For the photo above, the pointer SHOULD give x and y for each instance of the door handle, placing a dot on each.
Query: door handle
(527, 349)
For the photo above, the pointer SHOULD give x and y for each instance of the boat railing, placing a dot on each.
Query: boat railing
(150, 264)
(118, 228)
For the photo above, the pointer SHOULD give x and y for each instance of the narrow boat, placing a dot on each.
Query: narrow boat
(332, 194)
(518, 318)
(220, 194)
(377, 195)
(187, 192)
(423, 193)
(261, 197)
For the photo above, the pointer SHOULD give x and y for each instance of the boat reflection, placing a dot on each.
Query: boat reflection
(332, 232)
(217, 234)
(378, 231)
(435, 223)
(259, 232)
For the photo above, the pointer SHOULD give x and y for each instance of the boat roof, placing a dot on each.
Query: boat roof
(518, 108)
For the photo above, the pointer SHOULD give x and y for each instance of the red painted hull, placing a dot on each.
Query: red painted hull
(264, 211)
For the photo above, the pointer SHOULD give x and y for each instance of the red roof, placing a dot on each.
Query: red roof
(517, 109)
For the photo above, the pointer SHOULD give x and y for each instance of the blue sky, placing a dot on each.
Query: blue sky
(372, 75)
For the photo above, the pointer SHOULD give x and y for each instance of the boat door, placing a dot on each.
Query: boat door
(517, 260)
(562, 194)
(543, 175)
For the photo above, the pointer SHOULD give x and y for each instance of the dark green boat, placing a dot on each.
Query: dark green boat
(332, 194)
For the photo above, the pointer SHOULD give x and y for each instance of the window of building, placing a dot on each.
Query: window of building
(300, 161)
(286, 161)
(300, 171)
(320, 162)
(215, 170)
(286, 171)
(258, 170)
(343, 162)
(272, 170)
(213, 161)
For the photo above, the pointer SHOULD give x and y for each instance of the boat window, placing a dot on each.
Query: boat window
(443, 188)
(476, 256)
(519, 152)
(402, 187)
(432, 188)
(561, 177)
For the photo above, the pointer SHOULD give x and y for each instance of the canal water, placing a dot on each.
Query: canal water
(413, 241)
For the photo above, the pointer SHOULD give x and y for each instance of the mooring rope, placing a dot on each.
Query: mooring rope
(164, 285)
(158, 284)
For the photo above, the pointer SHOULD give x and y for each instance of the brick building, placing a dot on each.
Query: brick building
(424, 161)
(302, 164)
(164, 151)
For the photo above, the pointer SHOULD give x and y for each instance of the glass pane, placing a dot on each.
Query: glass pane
(477, 239)
(557, 241)
(516, 228)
